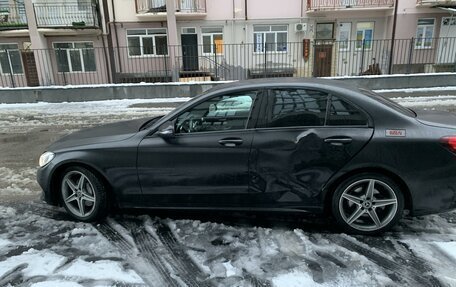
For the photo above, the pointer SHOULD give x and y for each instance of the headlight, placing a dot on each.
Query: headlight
(45, 158)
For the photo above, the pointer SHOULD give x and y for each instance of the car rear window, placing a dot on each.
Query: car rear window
(390, 103)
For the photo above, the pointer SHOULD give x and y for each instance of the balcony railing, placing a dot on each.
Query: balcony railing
(446, 3)
(66, 15)
(12, 16)
(318, 5)
(159, 6)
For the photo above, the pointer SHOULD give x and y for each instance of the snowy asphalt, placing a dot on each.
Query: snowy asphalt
(41, 246)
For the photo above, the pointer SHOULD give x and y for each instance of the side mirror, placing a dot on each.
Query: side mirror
(167, 132)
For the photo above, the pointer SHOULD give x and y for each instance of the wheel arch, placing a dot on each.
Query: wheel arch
(331, 187)
(58, 173)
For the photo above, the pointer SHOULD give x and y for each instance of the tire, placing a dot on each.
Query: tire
(367, 203)
(83, 195)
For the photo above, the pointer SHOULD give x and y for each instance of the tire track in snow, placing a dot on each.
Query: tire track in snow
(294, 247)
(397, 271)
(403, 255)
(150, 271)
(186, 269)
(331, 258)
(256, 282)
(44, 210)
(13, 276)
(147, 246)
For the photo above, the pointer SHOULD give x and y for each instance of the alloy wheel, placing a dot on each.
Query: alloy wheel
(78, 194)
(368, 204)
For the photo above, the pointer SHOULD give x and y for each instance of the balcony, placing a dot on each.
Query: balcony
(339, 5)
(435, 3)
(156, 9)
(72, 14)
(12, 16)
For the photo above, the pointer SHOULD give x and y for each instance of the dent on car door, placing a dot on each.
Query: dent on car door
(303, 138)
(205, 163)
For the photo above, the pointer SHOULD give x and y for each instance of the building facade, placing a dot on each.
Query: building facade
(109, 41)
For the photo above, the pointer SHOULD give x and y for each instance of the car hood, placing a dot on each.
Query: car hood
(100, 134)
(436, 118)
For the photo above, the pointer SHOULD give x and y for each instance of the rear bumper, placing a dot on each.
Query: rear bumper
(434, 193)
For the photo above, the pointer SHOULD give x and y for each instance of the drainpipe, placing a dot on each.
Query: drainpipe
(112, 65)
(117, 36)
(245, 10)
(393, 37)
(173, 40)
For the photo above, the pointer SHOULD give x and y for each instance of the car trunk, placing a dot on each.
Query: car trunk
(436, 118)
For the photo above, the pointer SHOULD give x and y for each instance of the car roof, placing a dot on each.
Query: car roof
(271, 82)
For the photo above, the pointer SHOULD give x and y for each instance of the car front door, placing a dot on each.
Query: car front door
(205, 162)
(302, 139)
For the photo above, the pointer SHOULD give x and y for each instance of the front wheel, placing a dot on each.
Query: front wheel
(83, 194)
(367, 204)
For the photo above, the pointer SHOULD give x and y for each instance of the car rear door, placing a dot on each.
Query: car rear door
(205, 164)
(302, 138)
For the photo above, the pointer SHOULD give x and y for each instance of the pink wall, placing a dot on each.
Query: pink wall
(270, 9)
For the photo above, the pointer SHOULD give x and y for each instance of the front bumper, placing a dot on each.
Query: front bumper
(43, 177)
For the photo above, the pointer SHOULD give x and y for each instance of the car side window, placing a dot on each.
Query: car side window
(296, 107)
(225, 112)
(342, 113)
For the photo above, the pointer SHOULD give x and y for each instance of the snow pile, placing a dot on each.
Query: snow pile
(437, 102)
(19, 182)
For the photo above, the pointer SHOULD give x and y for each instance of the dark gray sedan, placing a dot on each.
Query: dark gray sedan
(279, 145)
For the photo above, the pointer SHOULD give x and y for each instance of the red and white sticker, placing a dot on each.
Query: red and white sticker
(395, 133)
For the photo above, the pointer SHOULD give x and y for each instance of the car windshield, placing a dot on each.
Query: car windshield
(388, 102)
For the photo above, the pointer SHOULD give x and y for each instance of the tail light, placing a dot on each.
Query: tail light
(449, 142)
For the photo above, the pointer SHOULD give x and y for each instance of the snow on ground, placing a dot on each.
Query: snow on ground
(19, 182)
(25, 117)
(40, 246)
(413, 90)
(35, 249)
(434, 103)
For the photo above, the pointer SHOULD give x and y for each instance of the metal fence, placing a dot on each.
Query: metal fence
(159, 6)
(12, 16)
(82, 14)
(79, 64)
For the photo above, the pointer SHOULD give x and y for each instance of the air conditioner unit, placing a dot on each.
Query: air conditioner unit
(301, 27)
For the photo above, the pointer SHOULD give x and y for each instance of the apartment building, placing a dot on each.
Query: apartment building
(88, 42)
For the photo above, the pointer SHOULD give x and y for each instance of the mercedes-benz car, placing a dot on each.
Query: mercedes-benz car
(283, 145)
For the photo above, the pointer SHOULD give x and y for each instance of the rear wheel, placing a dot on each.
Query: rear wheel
(367, 203)
(83, 194)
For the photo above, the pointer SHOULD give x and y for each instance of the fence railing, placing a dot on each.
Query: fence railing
(183, 6)
(317, 5)
(435, 2)
(75, 66)
(12, 16)
(81, 14)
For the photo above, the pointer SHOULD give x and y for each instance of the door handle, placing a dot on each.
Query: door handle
(231, 142)
(338, 140)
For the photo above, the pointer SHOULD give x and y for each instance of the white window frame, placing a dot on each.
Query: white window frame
(348, 41)
(212, 34)
(67, 50)
(364, 35)
(9, 60)
(141, 46)
(422, 40)
(183, 32)
(263, 44)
